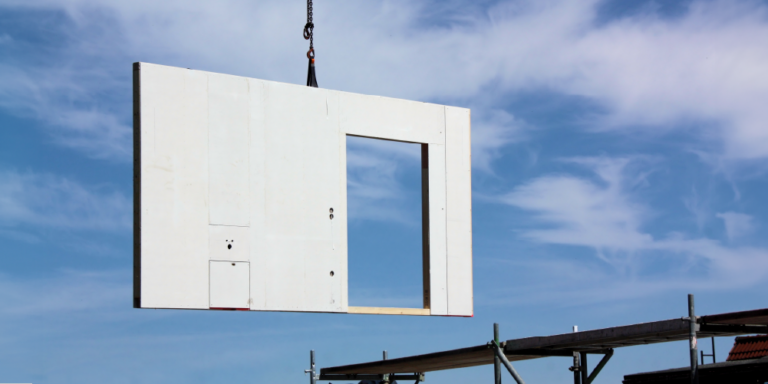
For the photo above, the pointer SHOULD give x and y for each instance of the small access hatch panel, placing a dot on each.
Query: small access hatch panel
(230, 285)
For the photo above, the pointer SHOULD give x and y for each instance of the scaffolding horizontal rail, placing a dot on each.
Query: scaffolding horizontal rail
(594, 341)
(368, 376)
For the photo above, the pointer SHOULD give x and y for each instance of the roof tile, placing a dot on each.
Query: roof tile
(749, 347)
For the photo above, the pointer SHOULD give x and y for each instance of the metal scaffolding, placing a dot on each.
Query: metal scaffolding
(577, 345)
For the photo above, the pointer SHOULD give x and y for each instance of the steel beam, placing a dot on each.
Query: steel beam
(553, 352)
(732, 328)
(368, 376)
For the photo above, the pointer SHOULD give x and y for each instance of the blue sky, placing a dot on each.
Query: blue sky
(619, 163)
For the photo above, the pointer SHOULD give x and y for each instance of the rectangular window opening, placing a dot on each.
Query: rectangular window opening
(388, 226)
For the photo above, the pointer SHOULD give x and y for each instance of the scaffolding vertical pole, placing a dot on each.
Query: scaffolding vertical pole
(576, 365)
(496, 361)
(692, 341)
(583, 369)
(576, 369)
(312, 376)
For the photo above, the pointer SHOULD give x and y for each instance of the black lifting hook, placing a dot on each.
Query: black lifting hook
(308, 35)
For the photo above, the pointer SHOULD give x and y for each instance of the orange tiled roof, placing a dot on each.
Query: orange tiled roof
(749, 347)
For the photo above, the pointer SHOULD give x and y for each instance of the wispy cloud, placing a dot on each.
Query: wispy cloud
(702, 71)
(48, 201)
(582, 212)
(697, 207)
(493, 132)
(68, 105)
(736, 224)
(605, 215)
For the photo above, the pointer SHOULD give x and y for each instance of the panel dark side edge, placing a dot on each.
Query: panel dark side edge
(425, 270)
(136, 186)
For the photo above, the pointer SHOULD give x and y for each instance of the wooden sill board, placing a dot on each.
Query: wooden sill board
(389, 311)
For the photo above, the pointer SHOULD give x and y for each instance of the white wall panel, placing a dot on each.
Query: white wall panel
(228, 120)
(437, 239)
(458, 211)
(258, 165)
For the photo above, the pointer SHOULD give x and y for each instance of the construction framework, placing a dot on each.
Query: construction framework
(577, 345)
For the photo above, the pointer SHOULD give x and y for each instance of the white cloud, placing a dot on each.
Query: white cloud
(584, 212)
(736, 224)
(491, 135)
(697, 207)
(54, 96)
(44, 200)
(97, 133)
(604, 215)
(702, 70)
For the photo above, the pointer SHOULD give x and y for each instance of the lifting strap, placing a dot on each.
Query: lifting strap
(308, 35)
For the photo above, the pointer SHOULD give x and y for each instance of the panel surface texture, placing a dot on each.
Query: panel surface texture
(228, 142)
(242, 192)
(458, 212)
(257, 193)
(301, 186)
(174, 162)
(392, 119)
(437, 240)
(230, 285)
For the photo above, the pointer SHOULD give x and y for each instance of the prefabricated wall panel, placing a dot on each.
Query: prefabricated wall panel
(240, 192)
